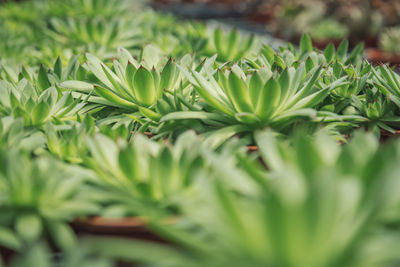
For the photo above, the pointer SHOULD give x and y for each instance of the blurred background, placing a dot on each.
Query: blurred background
(324, 20)
(375, 23)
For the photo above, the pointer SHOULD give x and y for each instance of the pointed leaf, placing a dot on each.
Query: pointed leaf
(269, 99)
(329, 53)
(40, 112)
(255, 87)
(305, 44)
(239, 94)
(144, 87)
(112, 97)
(43, 81)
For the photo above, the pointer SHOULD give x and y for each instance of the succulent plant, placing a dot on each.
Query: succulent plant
(91, 8)
(37, 105)
(98, 36)
(142, 176)
(388, 82)
(389, 40)
(231, 46)
(312, 200)
(260, 99)
(40, 254)
(377, 109)
(91, 129)
(289, 56)
(132, 83)
(14, 136)
(41, 197)
(68, 142)
(328, 29)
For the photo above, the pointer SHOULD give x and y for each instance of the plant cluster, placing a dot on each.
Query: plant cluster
(389, 39)
(160, 130)
(330, 20)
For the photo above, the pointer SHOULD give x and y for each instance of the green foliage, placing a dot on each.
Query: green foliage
(142, 177)
(99, 36)
(262, 97)
(328, 29)
(315, 198)
(130, 83)
(231, 46)
(40, 197)
(389, 40)
(88, 128)
(37, 104)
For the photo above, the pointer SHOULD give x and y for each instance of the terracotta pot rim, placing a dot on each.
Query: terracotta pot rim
(98, 221)
(121, 222)
(389, 134)
(375, 55)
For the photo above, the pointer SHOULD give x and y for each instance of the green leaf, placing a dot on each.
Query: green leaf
(247, 118)
(63, 236)
(311, 100)
(337, 69)
(395, 100)
(309, 64)
(43, 81)
(8, 239)
(125, 57)
(29, 227)
(130, 74)
(216, 138)
(182, 115)
(255, 87)
(144, 87)
(151, 56)
(269, 150)
(115, 81)
(307, 88)
(150, 114)
(40, 112)
(356, 54)
(269, 53)
(310, 113)
(95, 65)
(218, 41)
(128, 163)
(26, 74)
(58, 67)
(342, 49)
(329, 53)
(284, 83)
(167, 75)
(36, 255)
(77, 86)
(232, 43)
(238, 94)
(206, 90)
(269, 99)
(110, 96)
(305, 44)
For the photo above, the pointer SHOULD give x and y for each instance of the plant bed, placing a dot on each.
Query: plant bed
(128, 227)
(368, 41)
(319, 44)
(192, 145)
(386, 136)
(201, 10)
(378, 57)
